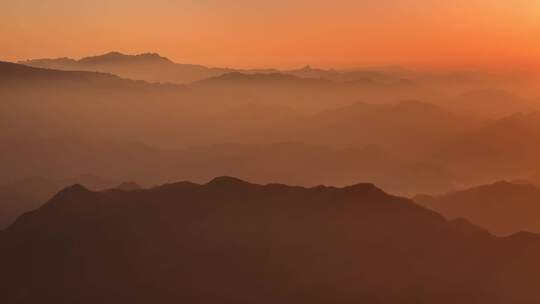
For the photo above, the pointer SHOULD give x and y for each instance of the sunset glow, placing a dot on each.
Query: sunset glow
(342, 33)
(269, 151)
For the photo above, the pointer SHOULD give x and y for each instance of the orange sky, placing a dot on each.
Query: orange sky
(279, 33)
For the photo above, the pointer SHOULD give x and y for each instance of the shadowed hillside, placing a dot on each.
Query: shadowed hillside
(25, 195)
(232, 241)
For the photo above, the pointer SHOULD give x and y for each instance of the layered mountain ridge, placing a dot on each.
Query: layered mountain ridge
(230, 240)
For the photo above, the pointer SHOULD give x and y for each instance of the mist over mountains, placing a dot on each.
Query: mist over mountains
(120, 119)
(154, 68)
(150, 66)
(93, 149)
(504, 208)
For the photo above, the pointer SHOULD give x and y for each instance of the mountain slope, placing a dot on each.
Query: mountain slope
(232, 241)
(502, 208)
(25, 195)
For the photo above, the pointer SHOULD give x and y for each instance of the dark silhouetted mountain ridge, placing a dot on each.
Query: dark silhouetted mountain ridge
(234, 241)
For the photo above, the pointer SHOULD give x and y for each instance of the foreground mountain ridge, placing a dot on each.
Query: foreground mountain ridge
(234, 241)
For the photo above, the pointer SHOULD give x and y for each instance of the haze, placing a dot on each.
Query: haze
(270, 152)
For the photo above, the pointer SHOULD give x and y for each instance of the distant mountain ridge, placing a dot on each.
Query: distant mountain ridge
(491, 103)
(238, 78)
(119, 58)
(108, 58)
(153, 67)
(148, 66)
(436, 145)
(498, 149)
(503, 208)
(14, 76)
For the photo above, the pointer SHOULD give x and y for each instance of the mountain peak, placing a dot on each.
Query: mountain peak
(227, 181)
(114, 53)
(364, 188)
(71, 193)
(117, 57)
(74, 189)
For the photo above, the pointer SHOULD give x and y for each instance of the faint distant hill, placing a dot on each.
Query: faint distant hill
(308, 76)
(313, 90)
(23, 82)
(112, 58)
(273, 101)
(294, 163)
(96, 103)
(332, 87)
(503, 208)
(25, 195)
(373, 76)
(408, 126)
(491, 103)
(267, 79)
(41, 108)
(230, 241)
(153, 67)
(149, 66)
(462, 81)
(17, 74)
(505, 148)
(280, 88)
(309, 72)
(308, 165)
(405, 83)
(119, 58)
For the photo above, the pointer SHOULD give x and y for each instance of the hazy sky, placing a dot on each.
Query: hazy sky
(279, 33)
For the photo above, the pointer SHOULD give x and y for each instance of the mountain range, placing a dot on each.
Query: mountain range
(71, 123)
(149, 66)
(404, 83)
(153, 67)
(233, 241)
(310, 226)
(290, 162)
